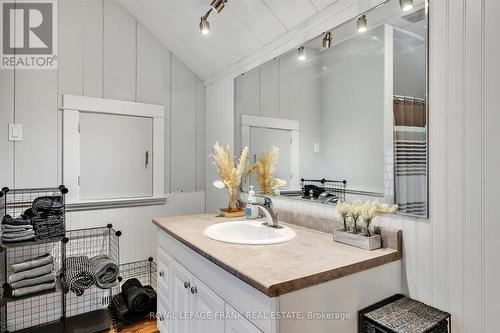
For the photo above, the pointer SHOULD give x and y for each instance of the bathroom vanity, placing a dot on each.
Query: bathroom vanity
(308, 284)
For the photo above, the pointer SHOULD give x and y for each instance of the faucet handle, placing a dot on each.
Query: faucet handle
(267, 201)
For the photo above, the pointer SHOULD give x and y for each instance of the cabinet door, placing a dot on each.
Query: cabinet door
(209, 306)
(181, 298)
(240, 325)
(163, 276)
(162, 316)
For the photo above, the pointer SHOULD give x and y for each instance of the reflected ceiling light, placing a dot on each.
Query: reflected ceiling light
(204, 26)
(406, 5)
(218, 5)
(362, 23)
(301, 53)
(327, 40)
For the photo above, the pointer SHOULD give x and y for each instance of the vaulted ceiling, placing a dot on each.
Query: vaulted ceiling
(243, 27)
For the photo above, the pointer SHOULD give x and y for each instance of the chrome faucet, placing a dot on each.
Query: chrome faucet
(267, 209)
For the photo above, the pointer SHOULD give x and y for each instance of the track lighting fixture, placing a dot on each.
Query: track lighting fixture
(301, 53)
(218, 5)
(327, 40)
(204, 25)
(406, 5)
(362, 23)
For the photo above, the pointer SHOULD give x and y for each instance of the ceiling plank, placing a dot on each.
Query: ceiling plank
(291, 12)
(172, 37)
(258, 18)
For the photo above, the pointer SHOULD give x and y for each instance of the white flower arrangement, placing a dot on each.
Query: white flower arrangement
(367, 210)
(344, 210)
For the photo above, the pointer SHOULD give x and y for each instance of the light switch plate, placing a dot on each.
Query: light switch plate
(15, 132)
(316, 147)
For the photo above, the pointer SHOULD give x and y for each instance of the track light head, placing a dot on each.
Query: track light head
(218, 5)
(406, 5)
(301, 53)
(204, 26)
(362, 23)
(327, 40)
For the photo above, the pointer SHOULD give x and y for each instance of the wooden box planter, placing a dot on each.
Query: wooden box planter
(225, 213)
(358, 240)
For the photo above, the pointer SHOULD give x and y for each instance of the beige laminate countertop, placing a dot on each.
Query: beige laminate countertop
(311, 258)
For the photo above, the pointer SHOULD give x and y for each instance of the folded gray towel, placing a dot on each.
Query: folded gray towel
(47, 278)
(33, 289)
(18, 239)
(32, 263)
(43, 221)
(106, 271)
(53, 204)
(32, 273)
(18, 234)
(15, 228)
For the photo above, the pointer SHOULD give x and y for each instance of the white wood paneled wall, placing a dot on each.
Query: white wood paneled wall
(105, 52)
(220, 123)
(450, 261)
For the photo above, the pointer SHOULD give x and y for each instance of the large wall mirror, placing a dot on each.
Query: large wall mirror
(347, 111)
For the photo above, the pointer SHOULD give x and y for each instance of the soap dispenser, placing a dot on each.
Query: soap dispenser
(251, 211)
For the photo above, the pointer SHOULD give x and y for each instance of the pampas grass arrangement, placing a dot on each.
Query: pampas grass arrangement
(230, 174)
(265, 168)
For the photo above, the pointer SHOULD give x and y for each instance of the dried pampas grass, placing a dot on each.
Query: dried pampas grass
(265, 168)
(230, 174)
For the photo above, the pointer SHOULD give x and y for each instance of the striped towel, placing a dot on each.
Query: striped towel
(79, 274)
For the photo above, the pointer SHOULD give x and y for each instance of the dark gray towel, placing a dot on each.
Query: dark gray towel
(47, 278)
(32, 263)
(49, 232)
(21, 220)
(47, 205)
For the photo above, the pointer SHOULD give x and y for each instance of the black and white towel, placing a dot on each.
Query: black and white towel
(79, 274)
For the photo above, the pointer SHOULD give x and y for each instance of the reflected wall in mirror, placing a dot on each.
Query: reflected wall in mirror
(353, 114)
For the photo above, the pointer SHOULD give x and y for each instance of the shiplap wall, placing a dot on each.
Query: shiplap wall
(451, 260)
(105, 52)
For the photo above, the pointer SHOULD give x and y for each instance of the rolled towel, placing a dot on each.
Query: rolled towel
(21, 220)
(47, 278)
(49, 204)
(152, 298)
(17, 234)
(33, 289)
(119, 307)
(33, 263)
(79, 274)
(16, 228)
(131, 282)
(137, 299)
(18, 239)
(106, 271)
(31, 273)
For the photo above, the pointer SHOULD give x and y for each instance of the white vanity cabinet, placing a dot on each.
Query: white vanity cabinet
(186, 304)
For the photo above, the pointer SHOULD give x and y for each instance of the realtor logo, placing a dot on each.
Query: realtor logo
(29, 34)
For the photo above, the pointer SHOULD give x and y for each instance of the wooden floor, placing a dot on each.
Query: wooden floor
(146, 326)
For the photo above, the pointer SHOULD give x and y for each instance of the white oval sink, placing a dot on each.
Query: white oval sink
(249, 232)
